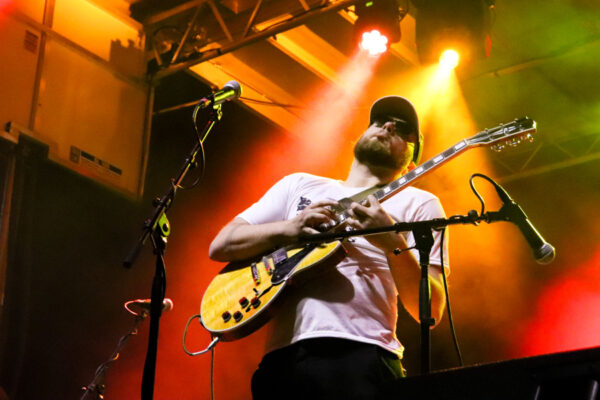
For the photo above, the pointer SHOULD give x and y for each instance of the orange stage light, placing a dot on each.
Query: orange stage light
(377, 26)
(374, 42)
(449, 59)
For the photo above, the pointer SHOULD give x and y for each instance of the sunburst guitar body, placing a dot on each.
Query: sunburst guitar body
(241, 298)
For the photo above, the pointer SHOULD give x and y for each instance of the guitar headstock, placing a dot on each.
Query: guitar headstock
(511, 134)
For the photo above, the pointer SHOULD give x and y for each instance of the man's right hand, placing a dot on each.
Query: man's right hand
(313, 216)
(240, 240)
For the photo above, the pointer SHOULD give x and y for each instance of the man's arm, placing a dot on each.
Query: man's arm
(407, 277)
(404, 267)
(239, 240)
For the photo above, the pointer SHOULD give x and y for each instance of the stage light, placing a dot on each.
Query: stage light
(378, 24)
(459, 24)
(374, 42)
(449, 59)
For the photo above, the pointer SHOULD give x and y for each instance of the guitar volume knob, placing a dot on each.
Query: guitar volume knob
(237, 316)
(255, 302)
(226, 316)
(244, 302)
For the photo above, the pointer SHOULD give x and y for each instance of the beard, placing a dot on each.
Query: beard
(377, 153)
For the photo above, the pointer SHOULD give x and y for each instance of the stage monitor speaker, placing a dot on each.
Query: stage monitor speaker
(561, 376)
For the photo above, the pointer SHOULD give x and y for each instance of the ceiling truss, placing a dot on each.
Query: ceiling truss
(565, 152)
(229, 31)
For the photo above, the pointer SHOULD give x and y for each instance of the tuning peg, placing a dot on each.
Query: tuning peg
(498, 147)
(529, 137)
(514, 142)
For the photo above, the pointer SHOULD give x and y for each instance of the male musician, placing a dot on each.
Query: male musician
(334, 336)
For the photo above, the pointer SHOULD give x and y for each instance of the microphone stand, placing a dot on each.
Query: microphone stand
(423, 234)
(157, 228)
(95, 390)
(424, 242)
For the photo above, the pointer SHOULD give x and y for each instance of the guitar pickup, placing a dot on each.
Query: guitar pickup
(255, 274)
(268, 267)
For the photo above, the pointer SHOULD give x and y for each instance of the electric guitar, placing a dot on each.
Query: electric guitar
(243, 296)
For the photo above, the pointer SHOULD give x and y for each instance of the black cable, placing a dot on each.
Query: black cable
(210, 347)
(475, 190)
(446, 291)
(450, 320)
(98, 385)
(497, 187)
(212, 373)
(202, 153)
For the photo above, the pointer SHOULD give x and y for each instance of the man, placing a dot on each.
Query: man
(334, 336)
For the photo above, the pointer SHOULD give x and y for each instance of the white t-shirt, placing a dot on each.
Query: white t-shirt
(356, 299)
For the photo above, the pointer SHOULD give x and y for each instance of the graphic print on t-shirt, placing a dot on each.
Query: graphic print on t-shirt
(303, 203)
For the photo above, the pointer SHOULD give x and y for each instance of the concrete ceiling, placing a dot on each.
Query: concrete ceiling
(543, 63)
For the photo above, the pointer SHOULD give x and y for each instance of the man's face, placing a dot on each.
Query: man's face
(388, 143)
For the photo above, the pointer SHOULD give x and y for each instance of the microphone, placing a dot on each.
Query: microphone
(231, 91)
(543, 252)
(143, 306)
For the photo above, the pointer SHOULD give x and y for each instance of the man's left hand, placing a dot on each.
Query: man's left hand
(372, 215)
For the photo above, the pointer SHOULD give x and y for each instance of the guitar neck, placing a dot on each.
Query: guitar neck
(513, 133)
(395, 186)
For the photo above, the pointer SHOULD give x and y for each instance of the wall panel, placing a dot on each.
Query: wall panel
(18, 52)
(92, 120)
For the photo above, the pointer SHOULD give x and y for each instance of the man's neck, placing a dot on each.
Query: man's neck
(362, 175)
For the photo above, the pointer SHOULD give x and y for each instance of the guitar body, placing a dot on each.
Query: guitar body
(243, 296)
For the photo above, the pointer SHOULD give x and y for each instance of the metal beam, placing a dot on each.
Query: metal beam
(256, 86)
(311, 51)
(257, 36)
(185, 35)
(171, 12)
(564, 52)
(550, 168)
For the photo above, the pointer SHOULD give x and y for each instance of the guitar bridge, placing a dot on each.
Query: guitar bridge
(279, 256)
(283, 268)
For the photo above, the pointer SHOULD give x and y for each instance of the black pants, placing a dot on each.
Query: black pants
(325, 368)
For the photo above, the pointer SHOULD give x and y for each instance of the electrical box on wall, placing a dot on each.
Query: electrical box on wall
(75, 81)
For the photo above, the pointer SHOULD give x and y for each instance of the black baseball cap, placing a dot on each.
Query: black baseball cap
(402, 108)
